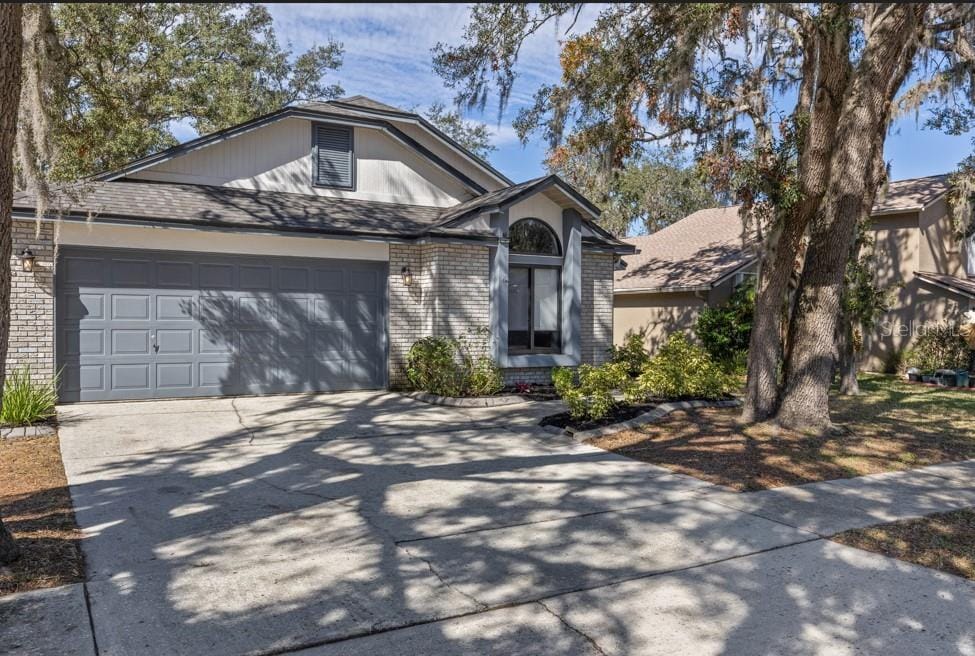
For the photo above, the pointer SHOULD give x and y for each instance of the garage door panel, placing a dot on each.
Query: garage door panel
(217, 276)
(85, 306)
(130, 342)
(174, 308)
(174, 341)
(130, 307)
(131, 273)
(174, 374)
(175, 274)
(130, 376)
(84, 342)
(143, 324)
(255, 277)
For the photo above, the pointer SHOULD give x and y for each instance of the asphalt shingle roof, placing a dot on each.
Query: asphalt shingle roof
(693, 253)
(964, 286)
(912, 194)
(239, 208)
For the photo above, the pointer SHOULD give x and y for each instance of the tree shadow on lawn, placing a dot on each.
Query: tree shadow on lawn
(888, 428)
(238, 544)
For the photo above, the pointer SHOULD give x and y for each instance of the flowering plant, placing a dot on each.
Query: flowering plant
(967, 328)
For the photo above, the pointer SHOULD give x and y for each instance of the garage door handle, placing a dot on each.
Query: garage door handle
(155, 347)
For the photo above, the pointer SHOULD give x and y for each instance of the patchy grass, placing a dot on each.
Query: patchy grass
(36, 506)
(893, 425)
(945, 541)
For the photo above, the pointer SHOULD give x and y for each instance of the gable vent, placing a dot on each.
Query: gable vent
(333, 156)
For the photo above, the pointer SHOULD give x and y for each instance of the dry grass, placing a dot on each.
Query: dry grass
(892, 426)
(36, 506)
(945, 541)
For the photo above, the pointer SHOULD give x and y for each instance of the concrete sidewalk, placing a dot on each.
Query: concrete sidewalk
(372, 523)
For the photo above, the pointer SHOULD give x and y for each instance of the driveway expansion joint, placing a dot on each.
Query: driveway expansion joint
(585, 636)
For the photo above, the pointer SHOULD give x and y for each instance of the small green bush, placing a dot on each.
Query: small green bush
(431, 367)
(679, 370)
(592, 396)
(938, 347)
(453, 367)
(26, 401)
(485, 377)
(726, 331)
(632, 354)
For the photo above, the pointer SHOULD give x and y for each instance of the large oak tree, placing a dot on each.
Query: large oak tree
(786, 105)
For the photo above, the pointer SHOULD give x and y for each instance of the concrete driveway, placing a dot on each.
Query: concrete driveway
(370, 523)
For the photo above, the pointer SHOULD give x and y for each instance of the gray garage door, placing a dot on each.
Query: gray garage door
(153, 324)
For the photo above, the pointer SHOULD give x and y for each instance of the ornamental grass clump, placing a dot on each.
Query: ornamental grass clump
(27, 401)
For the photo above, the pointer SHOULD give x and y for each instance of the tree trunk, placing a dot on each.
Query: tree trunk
(825, 78)
(847, 358)
(10, 74)
(891, 43)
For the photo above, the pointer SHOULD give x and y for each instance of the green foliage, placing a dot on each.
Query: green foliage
(132, 70)
(679, 370)
(431, 366)
(473, 136)
(454, 367)
(633, 354)
(26, 401)
(938, 347)
(588, 391)
(725, 331)
(648, 193)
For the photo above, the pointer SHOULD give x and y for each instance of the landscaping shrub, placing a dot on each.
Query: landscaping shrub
(26, 401)
(588, 391)
(454, 367)
(679, 370)
(633, 354)
(725, 331)
(938, 347)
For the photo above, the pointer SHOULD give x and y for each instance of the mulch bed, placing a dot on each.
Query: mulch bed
(892, 426)
(36, 506)
(616, 415)
(945, 541)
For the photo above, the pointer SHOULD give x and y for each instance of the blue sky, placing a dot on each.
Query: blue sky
(387, 57)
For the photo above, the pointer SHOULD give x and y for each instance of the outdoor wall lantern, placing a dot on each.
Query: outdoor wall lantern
(27, 260)
(407, 276)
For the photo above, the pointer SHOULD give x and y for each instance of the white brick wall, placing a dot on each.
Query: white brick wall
(597, 307)
(450, 296)
(32, 301)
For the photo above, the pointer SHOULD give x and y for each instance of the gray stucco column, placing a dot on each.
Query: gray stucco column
(499, 286)
(572, 283)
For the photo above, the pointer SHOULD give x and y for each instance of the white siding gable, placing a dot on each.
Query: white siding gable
(278, 156)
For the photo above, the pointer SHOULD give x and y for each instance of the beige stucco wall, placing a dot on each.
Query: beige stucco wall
(541, 207)
(188, 239)
(906, 243)
(659, 314)
(278, 157)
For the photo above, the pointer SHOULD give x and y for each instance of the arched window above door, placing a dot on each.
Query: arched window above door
(533, 237)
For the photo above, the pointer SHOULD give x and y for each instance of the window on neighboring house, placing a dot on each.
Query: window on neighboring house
(970, 248)
(744, 277)
(534, 288)
(333, 156)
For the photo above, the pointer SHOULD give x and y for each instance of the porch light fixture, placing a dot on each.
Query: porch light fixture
(27, 260)
(407, 276)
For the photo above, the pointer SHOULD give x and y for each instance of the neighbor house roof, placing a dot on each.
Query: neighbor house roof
(963, 286)
(691, 255)
(911, 195)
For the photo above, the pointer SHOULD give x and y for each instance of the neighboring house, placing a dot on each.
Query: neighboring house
(697, 261)
(688, 265)
(305, 250)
